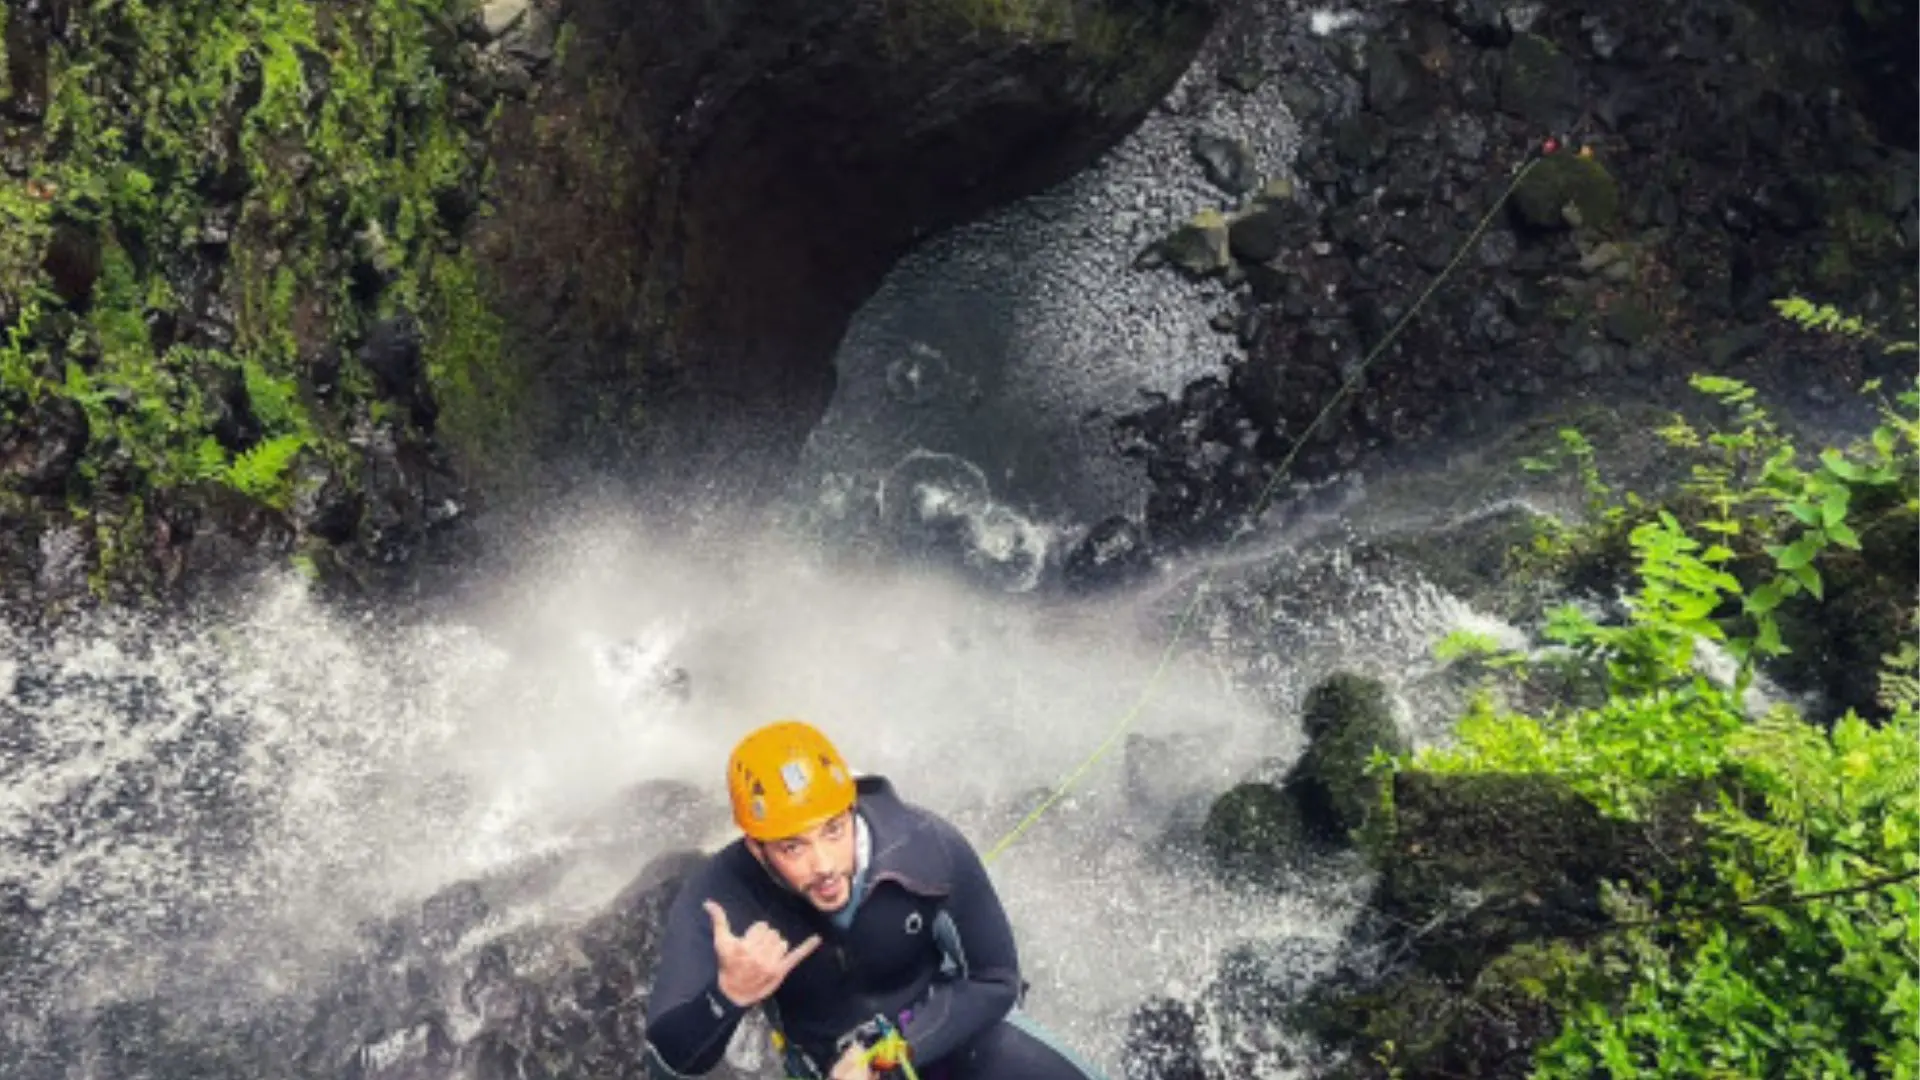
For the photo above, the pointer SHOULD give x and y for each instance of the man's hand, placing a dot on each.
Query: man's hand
(852, 1065)
(754, 964)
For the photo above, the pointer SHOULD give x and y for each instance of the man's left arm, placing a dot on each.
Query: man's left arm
(957, 1010)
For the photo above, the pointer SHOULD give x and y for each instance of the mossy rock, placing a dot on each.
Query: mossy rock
(1531, 850)
(1199, 248)
(1861, 240)
(1417, 1025)
(1255, 830)
(1408, 1020)
(1568, 190)
(1471, 558)
(1347, 718)
(1630, 322)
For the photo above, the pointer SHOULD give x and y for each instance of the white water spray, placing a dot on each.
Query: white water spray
(210, 809)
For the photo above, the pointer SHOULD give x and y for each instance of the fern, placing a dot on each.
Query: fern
(209, 461)
(275, 400)
(261, 472)
(1822, 317)
(1900, 676)
(1828, 319)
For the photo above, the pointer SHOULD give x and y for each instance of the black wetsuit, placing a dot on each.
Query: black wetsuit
(928, 948)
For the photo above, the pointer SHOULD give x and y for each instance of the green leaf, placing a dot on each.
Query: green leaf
(1843, 534)
(1838, 465)
(1809, 577)
(1806, 512)
(1833, 509)
(1764, 599)
(1799, 553)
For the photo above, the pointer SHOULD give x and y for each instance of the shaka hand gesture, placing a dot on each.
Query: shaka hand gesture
(753, 964)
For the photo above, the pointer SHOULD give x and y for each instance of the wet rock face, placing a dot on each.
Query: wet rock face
(440, 993)
(697, 200)
(1703, 167)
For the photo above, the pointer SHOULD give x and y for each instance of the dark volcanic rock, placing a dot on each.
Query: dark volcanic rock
(695, 201)
(1681, 175)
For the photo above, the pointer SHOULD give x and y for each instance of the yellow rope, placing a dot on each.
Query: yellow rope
(1259, 507)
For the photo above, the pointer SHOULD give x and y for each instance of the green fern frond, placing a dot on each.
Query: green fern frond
(1821, 317)
(209, 459)
(260, 473)
(275, 400)
(1900, 677)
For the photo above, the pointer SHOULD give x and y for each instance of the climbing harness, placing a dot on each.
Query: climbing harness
(1547, 147)
(887, 1051)
(884, 1048)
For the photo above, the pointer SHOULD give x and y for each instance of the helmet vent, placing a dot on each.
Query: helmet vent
(794, 773)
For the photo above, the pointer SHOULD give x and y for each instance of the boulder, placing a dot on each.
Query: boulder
(1566, 190)
(1198, 248)
(1348, 717)
(1254, 831)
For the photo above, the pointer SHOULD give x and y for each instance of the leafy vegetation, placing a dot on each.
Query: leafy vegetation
(221, 191)
(1762, 519)
(1792, 948)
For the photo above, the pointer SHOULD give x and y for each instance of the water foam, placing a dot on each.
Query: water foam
(209, 808)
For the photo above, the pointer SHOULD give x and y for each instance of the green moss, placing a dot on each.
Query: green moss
(1858, 239)
(563, 41)
(115, 536)
(1349, 720)
(1254, 830)
(1417, 1025)
(1568, 189)
(1033, 19)
(482, 394)
(25, 225)
(321, 123)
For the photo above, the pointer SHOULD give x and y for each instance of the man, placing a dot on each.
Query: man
(865, 928)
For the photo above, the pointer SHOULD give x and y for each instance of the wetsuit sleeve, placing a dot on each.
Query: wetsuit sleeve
(689, 1021)
(958, 1010)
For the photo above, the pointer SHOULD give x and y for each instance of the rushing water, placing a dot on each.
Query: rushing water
(207, 807)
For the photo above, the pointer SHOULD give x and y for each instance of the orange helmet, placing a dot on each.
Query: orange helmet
(784, 779)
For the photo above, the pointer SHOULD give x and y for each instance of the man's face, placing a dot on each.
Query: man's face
(818, 863)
